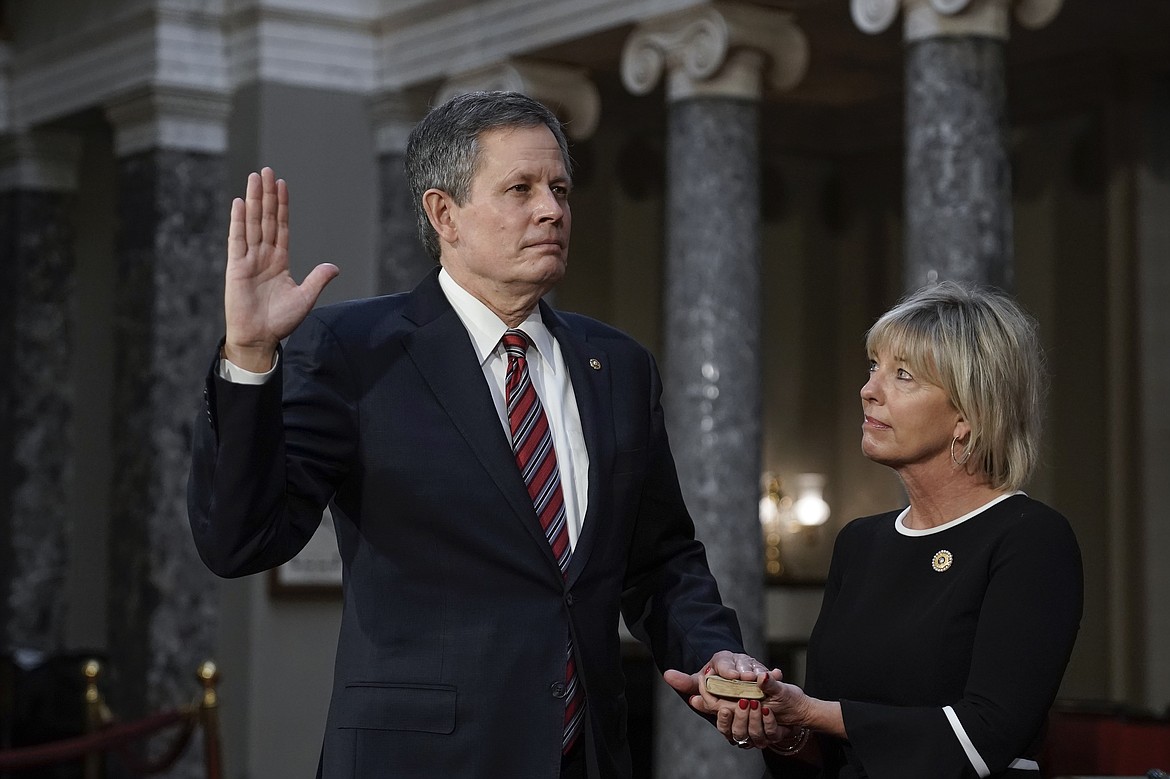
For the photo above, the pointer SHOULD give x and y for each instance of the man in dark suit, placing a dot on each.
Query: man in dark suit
(498, 472)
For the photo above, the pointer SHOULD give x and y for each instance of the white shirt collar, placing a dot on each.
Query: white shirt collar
(486, 329)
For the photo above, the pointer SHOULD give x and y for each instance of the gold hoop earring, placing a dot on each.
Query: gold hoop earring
(966, 454)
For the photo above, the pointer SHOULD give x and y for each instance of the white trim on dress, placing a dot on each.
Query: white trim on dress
(899, 521)
(973, 755)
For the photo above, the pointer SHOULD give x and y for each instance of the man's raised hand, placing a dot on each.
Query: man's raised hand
(262, 302)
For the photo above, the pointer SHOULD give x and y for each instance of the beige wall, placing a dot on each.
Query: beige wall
(94, 224)
(1061, 259)
(1152, 292)
(277, 655)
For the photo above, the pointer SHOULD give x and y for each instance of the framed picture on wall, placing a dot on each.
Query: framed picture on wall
(316, 571)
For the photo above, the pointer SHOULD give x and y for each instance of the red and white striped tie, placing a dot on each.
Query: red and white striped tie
(537, 459)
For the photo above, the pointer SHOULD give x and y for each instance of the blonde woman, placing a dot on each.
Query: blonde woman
(946, 626)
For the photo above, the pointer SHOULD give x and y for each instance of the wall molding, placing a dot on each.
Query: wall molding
(89, 67)
(369, 47)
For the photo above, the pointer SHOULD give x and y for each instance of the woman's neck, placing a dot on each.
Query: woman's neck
(936, 499)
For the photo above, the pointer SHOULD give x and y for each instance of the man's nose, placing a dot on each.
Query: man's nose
(549, 208)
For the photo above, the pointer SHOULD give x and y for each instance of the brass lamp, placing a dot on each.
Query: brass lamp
(783, 516)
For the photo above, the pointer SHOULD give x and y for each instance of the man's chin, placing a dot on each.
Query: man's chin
(551, 269)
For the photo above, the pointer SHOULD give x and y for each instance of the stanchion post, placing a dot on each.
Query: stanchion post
(94, 716)
(208, 676)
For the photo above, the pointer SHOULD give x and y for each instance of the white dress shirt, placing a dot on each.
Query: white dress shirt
(546, 366)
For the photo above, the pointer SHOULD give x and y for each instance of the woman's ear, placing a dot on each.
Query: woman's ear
(962, 429)
(441, 212)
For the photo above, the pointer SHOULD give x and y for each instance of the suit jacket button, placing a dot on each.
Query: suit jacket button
(558, 689)
(569, 599)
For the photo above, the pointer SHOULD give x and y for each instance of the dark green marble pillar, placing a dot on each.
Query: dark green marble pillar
(37, 403)
(172, 208)
(402, 261)
(958, 177)
(712, 375)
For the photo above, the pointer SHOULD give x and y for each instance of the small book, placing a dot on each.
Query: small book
(733, 688)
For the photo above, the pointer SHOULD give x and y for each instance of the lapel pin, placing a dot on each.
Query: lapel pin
(942, 560)
(595, 363)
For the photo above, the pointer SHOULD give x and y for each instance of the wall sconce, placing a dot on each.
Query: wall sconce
(781, 515)
(810, 507)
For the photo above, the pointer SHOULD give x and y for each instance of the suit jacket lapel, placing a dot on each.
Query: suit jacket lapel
(442, 351)
(591, 386)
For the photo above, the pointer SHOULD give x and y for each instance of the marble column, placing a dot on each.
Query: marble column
(402, 260)
(957, 173)
(717, 61)
(37, 180)
(172, 210)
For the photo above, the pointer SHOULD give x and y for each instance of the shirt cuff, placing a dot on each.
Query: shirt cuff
(229, 371)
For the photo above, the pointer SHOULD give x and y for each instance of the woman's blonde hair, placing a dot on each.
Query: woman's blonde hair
(981, 348)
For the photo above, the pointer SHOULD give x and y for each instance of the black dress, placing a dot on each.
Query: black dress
(945, 647)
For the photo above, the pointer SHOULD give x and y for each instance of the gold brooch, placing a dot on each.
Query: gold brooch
(595, 363)
(942, 560)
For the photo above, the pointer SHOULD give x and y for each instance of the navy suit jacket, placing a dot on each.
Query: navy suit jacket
(451, 657)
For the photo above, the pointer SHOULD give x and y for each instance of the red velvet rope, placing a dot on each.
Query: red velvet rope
(112, 737)
(145, 767)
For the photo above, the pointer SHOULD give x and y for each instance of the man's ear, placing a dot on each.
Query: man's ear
(441, 212)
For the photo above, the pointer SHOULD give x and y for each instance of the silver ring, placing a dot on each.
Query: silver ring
(742, 744)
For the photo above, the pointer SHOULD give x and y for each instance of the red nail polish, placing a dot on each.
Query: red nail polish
(743, 704)
(767, 711)
(755, 705)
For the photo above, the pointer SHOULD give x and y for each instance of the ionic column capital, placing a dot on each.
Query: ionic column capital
(942, 18)
(725, 50)
(565, 89)
(179, 118)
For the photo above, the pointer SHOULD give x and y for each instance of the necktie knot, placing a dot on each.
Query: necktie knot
(515, 343)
